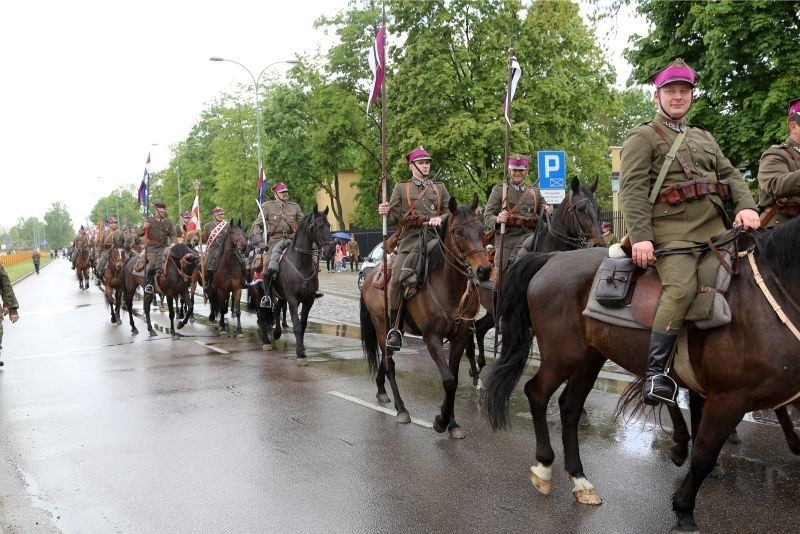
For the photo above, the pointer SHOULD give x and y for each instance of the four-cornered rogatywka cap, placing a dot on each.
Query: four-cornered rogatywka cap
(185, 214)
(280, 187)
(794, 108)
(217, 211)
(518, 162)
(110, 220)
(677, 71)
(161, 206)
(418, 154)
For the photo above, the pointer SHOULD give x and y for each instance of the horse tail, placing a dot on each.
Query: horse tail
(518, 335)
(369, 338)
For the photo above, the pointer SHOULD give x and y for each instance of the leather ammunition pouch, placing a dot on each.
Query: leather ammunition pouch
(515, 221)
(615, 282)
(414, 221)
(691, 190)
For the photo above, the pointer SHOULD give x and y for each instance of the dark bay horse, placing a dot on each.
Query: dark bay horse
(176, 278)
(443, 308)
(226, 280)
(297, 281)
(753, 363)
(113, 282)
(82, 266)
(575, 224)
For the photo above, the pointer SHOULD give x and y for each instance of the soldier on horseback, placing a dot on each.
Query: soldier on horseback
(158, 232)
(282, 217)
(413, 204)
(180, 227)
(81, 240)
(779, 175)
(519, 213)
(671, 193)
(113, 238)
(210, 235)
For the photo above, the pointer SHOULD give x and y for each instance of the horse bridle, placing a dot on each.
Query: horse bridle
(181, 265)
(581, 241)
(316, 222)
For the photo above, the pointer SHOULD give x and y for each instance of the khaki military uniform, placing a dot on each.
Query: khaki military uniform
(282, 219)
(779, 182)
(112, 239)
(428, 199)
(525, 202)
(80, 241)
(159, 235)
(180, 232)
(353, 252)
(213, 248)
(9, 299)
(685, 223)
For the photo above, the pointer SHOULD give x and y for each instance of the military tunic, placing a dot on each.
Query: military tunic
(526, 201)
(779, 178)
(282, 219)
(9, 299)
(80, 241)
(675, 226)
(429, 199)
(160, 233)
(212, 250)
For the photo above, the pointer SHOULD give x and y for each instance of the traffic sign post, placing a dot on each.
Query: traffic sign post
(552, 175)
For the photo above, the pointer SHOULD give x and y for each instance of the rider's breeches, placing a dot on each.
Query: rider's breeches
(396, 291)
(678, 274)
(154, 257)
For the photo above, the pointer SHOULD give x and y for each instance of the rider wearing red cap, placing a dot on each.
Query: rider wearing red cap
(671, 203)
(414, 203)
(113, 238)
(180, 227)
(779, 175)
(159, 232)
(520, 213)
(212, 236)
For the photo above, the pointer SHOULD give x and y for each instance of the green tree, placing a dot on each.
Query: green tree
(59, 229)
(747, 66)
(121, 204)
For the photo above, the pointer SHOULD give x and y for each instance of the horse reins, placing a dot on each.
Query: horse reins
(581, 240)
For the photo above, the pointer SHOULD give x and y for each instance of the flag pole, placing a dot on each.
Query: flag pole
(384, 180)
(504, 202)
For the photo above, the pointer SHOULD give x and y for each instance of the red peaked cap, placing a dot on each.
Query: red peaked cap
(518, 162)
(677, 71)
(218, 211)
(111, 220)
(185, 214)
(794, 107)
(418, 154)
(280, 187)
(161, 206)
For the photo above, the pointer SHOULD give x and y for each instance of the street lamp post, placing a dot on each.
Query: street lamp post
(256, 82)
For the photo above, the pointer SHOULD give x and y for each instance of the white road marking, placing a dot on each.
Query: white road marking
(212, 347)
(377, 408)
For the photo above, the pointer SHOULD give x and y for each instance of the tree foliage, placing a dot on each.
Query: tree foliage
(747, 66)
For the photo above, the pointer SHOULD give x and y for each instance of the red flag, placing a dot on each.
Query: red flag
(377, 62)
(194, 223)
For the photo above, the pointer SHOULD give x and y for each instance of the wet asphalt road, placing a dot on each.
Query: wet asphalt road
(101, 431)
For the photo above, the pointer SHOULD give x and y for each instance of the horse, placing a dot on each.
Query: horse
(753, 363)
(181, 263)
(443, 308)
(226, 280)
(296, 282)
(575, 224)
(113, 282)
(82, 266)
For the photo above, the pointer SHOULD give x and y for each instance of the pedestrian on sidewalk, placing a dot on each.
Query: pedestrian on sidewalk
(10, 305)
(337, 258)
(353, 252)
(37, 258)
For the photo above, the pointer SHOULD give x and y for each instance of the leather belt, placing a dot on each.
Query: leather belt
(691, 190)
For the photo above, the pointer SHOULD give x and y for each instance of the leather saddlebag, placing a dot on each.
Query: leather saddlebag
(615, 282)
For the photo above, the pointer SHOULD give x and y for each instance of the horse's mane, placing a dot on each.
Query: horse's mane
(436, 256)
(780, 248)
(302, 226)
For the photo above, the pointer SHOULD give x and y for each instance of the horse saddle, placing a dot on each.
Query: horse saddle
(624, 295)
(138, 268)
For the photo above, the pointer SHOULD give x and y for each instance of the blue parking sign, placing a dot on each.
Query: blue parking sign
(552, 169)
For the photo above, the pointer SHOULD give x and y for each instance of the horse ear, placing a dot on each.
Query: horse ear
(594, 184)
(325, 213)
(575, 184)
(315, 209)
(452, 205)
(474, 204)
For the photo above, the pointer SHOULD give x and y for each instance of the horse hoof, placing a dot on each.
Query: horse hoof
(134, 331)
(119, 322)
(113, 321)
(403, 417)
(457, 433)
(678, 454)
(153, 333)
(175, 337)
(266, 347)
(302, 362)
(585, 492)
(584, 422)
(285, 324)
(540, 478)
(717, 472)
(734, 438)
(438, 426)
(191, 319)
(382, 397)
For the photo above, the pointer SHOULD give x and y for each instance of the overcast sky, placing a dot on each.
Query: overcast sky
(90, 85)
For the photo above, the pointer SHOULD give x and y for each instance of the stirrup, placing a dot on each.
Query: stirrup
(266, 302)
(148, 289)
(389, 337)
(651, 398)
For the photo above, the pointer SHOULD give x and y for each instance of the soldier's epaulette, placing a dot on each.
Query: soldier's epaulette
(698, 127)
(782, 145)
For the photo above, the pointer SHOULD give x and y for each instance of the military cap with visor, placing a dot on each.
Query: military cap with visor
(677, 71)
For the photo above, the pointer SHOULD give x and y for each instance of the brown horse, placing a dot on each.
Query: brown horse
(443, 308)
(753, 363)
(114, 282)
(226, 280)
(82, 266)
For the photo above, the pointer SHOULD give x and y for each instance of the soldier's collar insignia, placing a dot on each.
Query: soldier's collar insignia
(674, 126)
